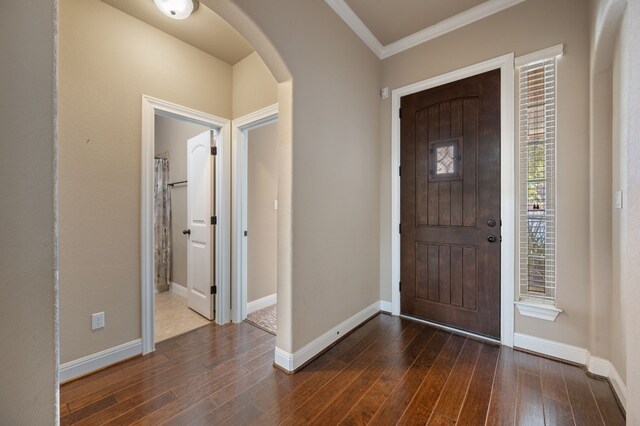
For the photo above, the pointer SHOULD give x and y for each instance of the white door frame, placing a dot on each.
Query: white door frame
(241, 127)
(508, 185)
(150, 108)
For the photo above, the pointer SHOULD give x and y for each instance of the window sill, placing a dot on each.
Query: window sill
(538, 310)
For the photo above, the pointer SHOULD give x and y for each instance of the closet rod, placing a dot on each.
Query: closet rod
(177, 183)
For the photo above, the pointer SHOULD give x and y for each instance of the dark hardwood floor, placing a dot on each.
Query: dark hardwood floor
(389, 371)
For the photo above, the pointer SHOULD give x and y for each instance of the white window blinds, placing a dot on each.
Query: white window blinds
(537, 121)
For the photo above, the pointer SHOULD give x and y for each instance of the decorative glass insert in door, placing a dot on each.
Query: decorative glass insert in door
(445, 162)
(445, 159)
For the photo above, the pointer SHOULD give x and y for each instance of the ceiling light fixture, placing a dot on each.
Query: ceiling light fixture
(177, 9)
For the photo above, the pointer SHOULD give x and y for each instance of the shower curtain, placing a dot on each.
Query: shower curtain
(162, 225)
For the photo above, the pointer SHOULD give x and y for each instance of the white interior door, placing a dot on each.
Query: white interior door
(200, 249)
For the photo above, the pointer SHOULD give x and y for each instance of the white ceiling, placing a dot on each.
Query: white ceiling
(204, 30)
(389, 27)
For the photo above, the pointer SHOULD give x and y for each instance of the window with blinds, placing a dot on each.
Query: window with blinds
(537, 121)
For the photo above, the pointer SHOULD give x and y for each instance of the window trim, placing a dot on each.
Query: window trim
(535, 309)
(530, 305)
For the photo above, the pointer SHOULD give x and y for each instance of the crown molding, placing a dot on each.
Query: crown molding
(355, 23)
(453, 23)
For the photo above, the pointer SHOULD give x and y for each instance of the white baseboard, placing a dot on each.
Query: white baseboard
(88, 364)
(284, 360)
(256, 305)
(291, 362)
(618, 385)
(599, 366)
(551, 348)
(178, 289)
(575, 354)
(385, 306)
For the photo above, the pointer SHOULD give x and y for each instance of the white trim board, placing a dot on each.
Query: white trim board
(540, 55)
(538, 310)
(178, 289)
(262, 303)
(240, 130)
(88, 364)
(150, 108)
(453, 23)
(576, 355)
(292, 362)
(507, 182)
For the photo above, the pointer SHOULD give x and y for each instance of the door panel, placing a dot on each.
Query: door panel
(450, 189)
(199, 211)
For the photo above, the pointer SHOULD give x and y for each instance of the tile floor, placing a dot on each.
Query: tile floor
(173, 317)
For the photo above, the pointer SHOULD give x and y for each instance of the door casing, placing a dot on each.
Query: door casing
(150, 108)
(241, 127)
(509, 195)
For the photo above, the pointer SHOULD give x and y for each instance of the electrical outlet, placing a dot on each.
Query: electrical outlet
(97, 321)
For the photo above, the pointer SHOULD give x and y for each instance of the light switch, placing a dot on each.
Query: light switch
(618, 199)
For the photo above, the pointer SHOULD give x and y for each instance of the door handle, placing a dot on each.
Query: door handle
(492, 238)
(186, 231)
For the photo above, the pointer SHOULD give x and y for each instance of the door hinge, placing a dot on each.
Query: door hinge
(214, 150)
(399, 170)
(400, 286)
(214, 289)
(399, 228)
(214, 220)
(245, 233)
(400, 113)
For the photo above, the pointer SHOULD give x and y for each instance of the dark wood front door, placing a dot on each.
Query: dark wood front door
(450, 204)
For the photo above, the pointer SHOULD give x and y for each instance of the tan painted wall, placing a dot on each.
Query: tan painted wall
(609, 153)
(262, 218)
(107, 61)
(254, 87)
(600, 214)
(525, 28)
(630, 129)
(618, 329)
(171, 137)
(28, 377)
(625, 339)
(335, 172)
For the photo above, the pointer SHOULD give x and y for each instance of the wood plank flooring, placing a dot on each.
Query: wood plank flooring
(389, 371)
